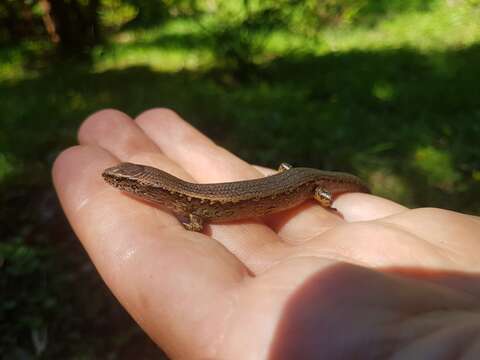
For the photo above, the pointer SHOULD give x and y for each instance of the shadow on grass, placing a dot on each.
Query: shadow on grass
(408, 123)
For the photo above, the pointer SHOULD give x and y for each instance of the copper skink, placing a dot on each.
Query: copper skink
(195, 204)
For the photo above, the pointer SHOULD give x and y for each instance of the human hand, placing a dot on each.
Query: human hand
(384, 281)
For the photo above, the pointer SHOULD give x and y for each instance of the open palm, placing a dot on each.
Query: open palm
(383, 281)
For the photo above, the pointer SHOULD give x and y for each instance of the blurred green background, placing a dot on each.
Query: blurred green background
(388, 90)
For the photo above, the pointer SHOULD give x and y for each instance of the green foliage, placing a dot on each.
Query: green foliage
(53, 304)
(6, 168)
(148, 12)
(365, 12)
(239, 38)
(114, 14)
(24, 311)
(18, 20)
(437, 166)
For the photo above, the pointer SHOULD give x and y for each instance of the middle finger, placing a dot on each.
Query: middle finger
(117, 133)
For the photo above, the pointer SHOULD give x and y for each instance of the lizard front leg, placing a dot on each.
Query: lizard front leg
(192, 222)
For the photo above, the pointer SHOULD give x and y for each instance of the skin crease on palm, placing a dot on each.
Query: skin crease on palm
(384, 281)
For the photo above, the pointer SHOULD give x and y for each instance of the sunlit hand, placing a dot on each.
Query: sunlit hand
(384, 281)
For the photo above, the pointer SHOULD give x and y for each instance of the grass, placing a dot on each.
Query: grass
(395, 101)
(441, 28)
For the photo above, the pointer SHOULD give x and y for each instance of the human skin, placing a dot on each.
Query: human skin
(383, 281)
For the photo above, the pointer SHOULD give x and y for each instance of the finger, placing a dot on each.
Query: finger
(181, 142)
(453, 235)
(207, 162)
(152, 265)
(366, 207)
(116, 132)
(432, 239)
(358, 206)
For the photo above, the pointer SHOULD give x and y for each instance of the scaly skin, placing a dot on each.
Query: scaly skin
(196, 203)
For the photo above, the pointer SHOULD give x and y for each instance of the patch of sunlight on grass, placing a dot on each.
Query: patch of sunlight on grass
(171, 60)
(386, 184)
(11, 71)
(476, 175)
(11, 66)
(124, 37)
(383, 91)
(182, 43)
(115, 13)
(437, 167)
(177, 27)
(173, 46)
(442, 27)
(182, 26)
(77, 101)
(283, 42)
(13, 59)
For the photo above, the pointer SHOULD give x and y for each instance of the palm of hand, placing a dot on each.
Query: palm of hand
(301, 284)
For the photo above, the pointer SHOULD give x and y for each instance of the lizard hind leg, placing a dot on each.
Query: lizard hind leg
(192, 223)
(323, 196)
